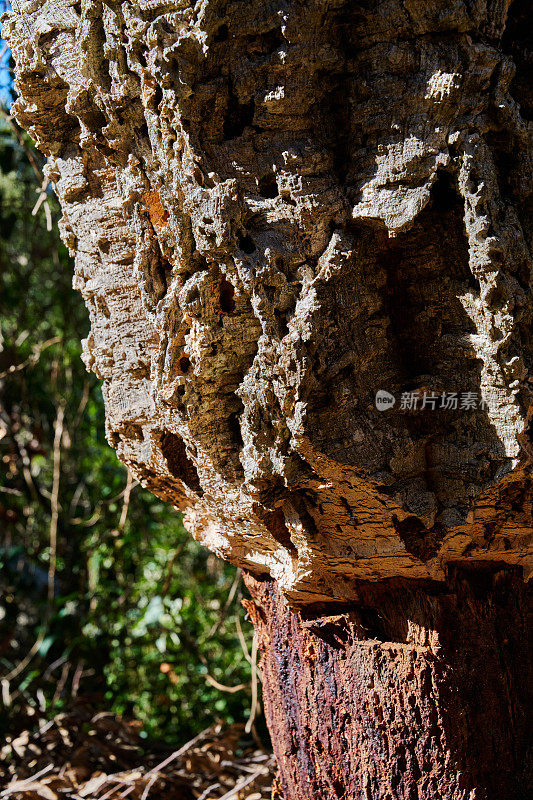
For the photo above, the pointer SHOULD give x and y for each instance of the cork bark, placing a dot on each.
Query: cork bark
(282, 212)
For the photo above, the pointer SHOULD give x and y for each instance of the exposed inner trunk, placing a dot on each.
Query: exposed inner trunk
(417, 693)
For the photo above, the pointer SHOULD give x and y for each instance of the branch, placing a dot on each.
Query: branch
(58, 433)
(33, 359)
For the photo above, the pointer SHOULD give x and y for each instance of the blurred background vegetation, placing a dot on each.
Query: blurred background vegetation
(103, 595)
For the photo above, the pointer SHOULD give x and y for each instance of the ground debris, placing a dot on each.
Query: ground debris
(84, 755)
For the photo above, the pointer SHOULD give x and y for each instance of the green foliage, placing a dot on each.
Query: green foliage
(137, 619)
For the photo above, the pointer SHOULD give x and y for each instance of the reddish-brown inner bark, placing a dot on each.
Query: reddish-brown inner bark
(416, 693)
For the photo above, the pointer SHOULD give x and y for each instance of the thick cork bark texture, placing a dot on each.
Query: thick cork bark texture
(303, 233)
(279, 209)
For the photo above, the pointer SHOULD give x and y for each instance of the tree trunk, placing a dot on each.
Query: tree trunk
(303, 233)
(418, 693)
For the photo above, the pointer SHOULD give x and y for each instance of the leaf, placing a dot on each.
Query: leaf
(46, 645)
(153, 613)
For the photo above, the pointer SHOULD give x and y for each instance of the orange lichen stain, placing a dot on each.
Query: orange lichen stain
(156, 210)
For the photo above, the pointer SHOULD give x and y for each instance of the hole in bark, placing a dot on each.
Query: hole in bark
(198, 175)
(416, 537)
(234, 426)
(275, 522)
(346, 372)
(222, 34)
(414, 286)
(226, 293)
(185, 364)
(373, 623)
(265, 43)
(161, 271)
(310, 498)
(157, 97)
(347, 507)
(285, 194)
(246, 243)
(238, 117)
(443, 193)
(268, 186)
(178, 463)
(282, 324)
(133, 431)
(92, 117)
(337, 115)
(166, 265)
(518, 41)
(497, 296)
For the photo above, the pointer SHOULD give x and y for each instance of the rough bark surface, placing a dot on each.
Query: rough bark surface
(416, 694)
(278, 209)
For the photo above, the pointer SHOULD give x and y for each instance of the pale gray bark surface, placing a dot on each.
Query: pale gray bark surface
(278, 209)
